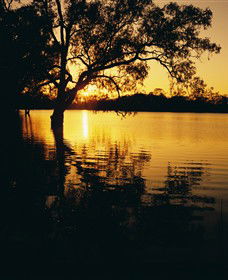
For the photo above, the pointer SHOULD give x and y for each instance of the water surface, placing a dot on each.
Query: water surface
(149, 187)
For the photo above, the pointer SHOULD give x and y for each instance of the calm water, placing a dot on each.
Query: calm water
(149, 187)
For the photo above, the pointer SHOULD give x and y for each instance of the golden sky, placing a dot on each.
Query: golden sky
(213, 71)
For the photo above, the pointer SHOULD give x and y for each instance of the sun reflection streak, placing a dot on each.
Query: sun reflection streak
(85, 127)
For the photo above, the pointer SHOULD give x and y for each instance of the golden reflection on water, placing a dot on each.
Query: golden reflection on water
(85, 124)
(163, 159)
(174, 138)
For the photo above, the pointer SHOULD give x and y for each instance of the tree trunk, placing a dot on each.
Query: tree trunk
(57, 118)
(58, 114)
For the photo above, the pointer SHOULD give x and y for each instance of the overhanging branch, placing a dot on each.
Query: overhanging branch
(160, 61)
(115, 64)
(80, 58)
(118, 89)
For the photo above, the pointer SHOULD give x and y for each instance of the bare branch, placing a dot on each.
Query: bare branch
(160, 61)
(118, 89)
(51, 27)
(115, 64)
(61, 21)
(80, 58)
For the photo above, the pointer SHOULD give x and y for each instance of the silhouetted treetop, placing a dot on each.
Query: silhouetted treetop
(26, 51)
(108, 43)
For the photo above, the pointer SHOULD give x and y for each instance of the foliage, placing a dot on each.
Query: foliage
(25, 49)
(195, 89)
(109, 43)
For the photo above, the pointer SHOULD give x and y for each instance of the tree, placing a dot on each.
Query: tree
(195, 89)
(159, 91)
(109, 43)
(198, 90)
(24, 50)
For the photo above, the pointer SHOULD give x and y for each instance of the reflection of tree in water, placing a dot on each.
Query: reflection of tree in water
(108, 206)
(180, 183)
(26, 160)
(175, 212)
(29, 176)
(114, 168)
(98, 208)
(107, 214)
(188, 177)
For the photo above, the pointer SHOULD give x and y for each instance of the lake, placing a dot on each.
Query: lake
(145, 187)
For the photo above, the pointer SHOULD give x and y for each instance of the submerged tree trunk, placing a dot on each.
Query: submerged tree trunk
(57, 118)
(62, 104)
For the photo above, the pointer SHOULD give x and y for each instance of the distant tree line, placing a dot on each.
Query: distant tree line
(156, 103)
(137, 102)
(193, 96)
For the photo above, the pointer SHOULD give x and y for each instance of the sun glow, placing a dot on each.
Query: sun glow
(89, 91)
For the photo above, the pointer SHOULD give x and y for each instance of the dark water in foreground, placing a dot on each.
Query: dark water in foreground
(147, 188)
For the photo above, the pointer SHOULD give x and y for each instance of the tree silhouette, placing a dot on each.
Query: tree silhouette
(109, 43)
(196, 89)
(24, 50)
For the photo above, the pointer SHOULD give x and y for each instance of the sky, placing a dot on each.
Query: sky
(213, 71)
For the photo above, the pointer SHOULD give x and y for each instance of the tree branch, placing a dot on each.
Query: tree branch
(160, 61)
(111, 79)
(80, 58)
(53, 80)
(61, 21)
(115, 64)
(51, 27)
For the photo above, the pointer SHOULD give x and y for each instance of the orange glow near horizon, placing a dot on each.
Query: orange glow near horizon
(90, 90)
